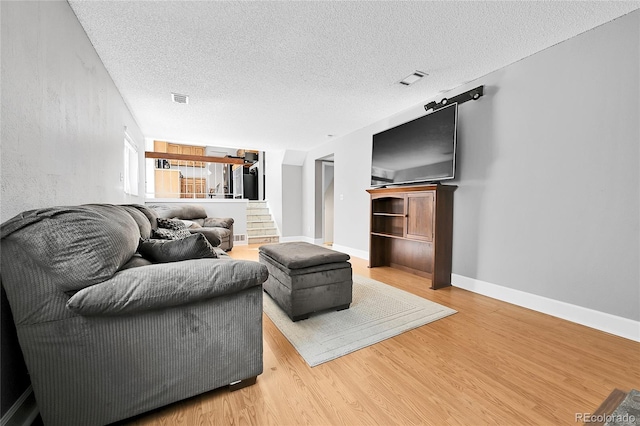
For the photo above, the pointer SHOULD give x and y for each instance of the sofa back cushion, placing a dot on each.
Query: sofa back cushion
(143, 221)
(151, 215)
(183, 211)
(76, 246)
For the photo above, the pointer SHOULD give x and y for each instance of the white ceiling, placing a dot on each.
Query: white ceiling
(285, 75)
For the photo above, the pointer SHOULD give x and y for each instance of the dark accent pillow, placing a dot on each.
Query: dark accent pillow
(195, 246)
(170, 229)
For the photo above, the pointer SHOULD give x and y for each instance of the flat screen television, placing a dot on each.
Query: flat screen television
(419, 151)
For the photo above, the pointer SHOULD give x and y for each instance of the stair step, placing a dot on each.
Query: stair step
(264, 239)
(257, 205)
(255, 211)
(261, 228)
(258, 217)
(254, 232)
(260, 224)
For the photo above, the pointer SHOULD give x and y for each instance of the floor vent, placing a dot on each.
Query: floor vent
(239, 237)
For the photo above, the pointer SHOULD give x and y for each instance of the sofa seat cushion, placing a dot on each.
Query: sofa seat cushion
(299, 255)
(214, 235)
(76, 246)
(191, 223)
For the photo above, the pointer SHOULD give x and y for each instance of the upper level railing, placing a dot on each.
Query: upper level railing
(193, 176)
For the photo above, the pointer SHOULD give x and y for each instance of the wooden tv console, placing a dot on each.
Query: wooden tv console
(411, 229)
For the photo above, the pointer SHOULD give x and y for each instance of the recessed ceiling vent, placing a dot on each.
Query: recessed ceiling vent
(179, 99)
(412, 78)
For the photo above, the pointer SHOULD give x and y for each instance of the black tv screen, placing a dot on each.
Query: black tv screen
(419, 151)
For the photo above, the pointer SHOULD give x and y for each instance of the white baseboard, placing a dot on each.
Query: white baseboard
(23, 412)
(296, 238)
(623, 327)
(351, 251)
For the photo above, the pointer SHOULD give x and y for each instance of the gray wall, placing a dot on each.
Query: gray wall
(63, 118)
(273, 185)
(62, 131)
(283, 188)
(291, 207)
(548, 198)
(548, 174)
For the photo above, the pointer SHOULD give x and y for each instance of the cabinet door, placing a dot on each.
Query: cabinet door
(159, 146)
(198, 150)
(173, 149)
(420, 216)
(167, 183)
(186, 188)
(200, 187)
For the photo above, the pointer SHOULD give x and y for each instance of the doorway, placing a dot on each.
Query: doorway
(327, 197)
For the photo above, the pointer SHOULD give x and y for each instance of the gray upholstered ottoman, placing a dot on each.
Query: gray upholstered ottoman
(306, 278)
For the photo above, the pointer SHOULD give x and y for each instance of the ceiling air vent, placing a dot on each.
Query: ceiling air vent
(179, 99)
(412, 78)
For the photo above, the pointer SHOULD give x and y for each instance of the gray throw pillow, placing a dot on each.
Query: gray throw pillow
(170, 229)
(195, 246)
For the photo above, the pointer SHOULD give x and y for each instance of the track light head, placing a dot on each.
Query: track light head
(430, 105)
(473, 94)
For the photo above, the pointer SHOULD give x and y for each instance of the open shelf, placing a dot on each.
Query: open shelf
(388, 206)
(381, 234)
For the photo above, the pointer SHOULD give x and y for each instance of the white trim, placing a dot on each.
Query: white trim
(619, 326)
(28, 408)
(193, 200)
(241, 239)
(351, 251)
(295, 239)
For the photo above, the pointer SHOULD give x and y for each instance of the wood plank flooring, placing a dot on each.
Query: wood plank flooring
(491, 363)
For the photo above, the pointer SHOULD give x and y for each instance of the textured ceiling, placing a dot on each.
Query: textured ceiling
(285, 75)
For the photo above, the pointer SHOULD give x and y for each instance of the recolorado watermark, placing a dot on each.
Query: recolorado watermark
(606, 418)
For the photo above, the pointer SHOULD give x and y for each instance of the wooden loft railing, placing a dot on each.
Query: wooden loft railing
(197, 158)
(192, 176)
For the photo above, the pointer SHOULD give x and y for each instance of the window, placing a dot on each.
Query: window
(130, 166)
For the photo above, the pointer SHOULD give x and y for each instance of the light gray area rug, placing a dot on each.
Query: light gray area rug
(627, 413)
(378, 312)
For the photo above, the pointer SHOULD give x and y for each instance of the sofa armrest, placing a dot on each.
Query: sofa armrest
(218, 222)
(165, 285)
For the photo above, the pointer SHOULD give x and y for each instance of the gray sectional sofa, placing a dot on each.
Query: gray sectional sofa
(106, 334)
(195, 217)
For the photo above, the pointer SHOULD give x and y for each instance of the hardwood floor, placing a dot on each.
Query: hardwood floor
(491, 363)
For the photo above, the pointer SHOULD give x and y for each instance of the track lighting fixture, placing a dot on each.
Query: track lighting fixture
(473, 94)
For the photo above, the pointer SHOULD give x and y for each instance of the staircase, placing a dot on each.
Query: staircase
(260, 226)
